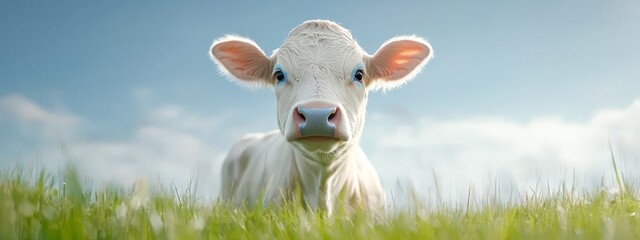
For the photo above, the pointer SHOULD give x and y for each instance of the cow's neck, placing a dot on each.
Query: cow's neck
(315, 172)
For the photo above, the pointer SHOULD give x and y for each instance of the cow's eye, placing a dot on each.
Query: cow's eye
(358, 75)
(280, 76)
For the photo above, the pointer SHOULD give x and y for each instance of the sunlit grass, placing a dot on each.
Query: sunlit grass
(35, 205)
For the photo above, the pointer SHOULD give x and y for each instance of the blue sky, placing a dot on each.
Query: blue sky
(121, 74)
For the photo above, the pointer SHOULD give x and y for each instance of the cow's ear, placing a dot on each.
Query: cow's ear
(397, 61)
(243, 60)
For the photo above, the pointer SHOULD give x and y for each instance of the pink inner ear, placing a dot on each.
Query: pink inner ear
(241, 59)
(398, 59)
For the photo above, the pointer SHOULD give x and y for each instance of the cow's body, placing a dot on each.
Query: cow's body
(321, 79)
(265, 168)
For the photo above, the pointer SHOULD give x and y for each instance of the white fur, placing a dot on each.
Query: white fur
(319, 58)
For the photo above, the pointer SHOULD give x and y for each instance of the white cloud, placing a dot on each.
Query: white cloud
(484, 151)
(170, 144)
(156, 153)
(30, 132)
(32, 116)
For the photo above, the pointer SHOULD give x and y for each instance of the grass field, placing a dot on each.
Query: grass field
(33, 205)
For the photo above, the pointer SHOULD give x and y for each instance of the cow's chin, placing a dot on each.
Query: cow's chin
(318, 144)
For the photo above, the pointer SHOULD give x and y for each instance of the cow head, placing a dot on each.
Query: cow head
(321, 78)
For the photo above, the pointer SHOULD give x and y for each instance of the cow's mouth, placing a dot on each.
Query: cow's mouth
(318, 139)
(318, 143)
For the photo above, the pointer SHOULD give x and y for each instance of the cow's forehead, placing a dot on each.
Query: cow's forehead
(319, 40)
(320, 27)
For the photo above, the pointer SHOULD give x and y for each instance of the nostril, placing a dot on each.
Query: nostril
(316, 121)
(301, 115)
(331, 116)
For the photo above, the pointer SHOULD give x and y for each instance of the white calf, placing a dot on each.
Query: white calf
(321, 78)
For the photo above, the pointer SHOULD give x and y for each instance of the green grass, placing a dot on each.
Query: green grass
(33, 205)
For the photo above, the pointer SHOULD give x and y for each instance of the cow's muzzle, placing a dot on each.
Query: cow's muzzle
(317, 119)
(316, 122)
